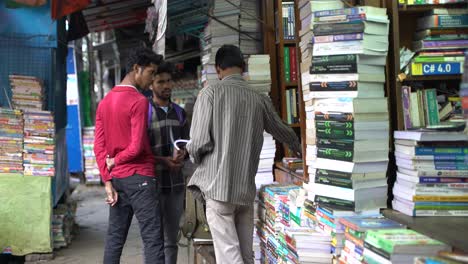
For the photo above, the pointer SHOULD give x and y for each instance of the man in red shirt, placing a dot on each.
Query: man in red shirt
(126, 162)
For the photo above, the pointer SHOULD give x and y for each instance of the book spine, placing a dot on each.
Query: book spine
(406, 92)
(432, 107)
(334, 59)
(437, 44)
(443, 21)
(445, 68)
(293, 66)
(336, 12)
(377, 250)
(433, 198)
(333, 86)
(442, 180)
(440, 212)
(434, 151)
(333, 202)
(332, 69)
(335, 38)
(335, 154)
(438, 59)
(335, 133)
(337, 29)
(344, 144)
(333, 125)
(287, 70)
(288, 106)
(340, 18)
(341, 117)
(294, 105)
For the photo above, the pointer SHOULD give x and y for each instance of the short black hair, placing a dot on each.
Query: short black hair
(229, 56)
(142, 57)
(165, 67)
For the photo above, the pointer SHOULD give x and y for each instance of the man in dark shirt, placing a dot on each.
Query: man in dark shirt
(168, 123)
(126, 163)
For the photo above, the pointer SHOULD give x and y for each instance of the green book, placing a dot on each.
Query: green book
(432, 109)
(288, 107)
(287, 68)
(403, 241)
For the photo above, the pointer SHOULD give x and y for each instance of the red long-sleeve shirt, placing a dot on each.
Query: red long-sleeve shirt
(121, 133)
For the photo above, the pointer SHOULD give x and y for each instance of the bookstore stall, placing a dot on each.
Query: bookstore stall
(33, 157)
(377, 92)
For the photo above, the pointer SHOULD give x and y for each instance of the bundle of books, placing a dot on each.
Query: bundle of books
(222, 30)
(250, 38)
(464, 90)
(92, 173)
(355, 234)
(11, 141)
(398, 246)
(264, 174)
(63, 221)
(432, 176)
(287, 235)
(429, 2)
(348, 127)
(441, 38)
(258, 73)
(27, 92)
(39, 143)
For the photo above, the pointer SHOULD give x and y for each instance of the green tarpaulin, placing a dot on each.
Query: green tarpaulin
(25, 214)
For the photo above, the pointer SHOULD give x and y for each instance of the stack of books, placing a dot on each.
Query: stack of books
(218, 32)
(27, 92)
(441, 38)
(271, 223)
(306, 10)
(250, 38)
(39, 143)
(264, 174)
(348, 127)
(258, 73)
(11, 141)
(464, 90)
(355, 233)
(398, 246)
(429, 2)
(432, 176)
(92, 174)
(63, 221)
(444, 257)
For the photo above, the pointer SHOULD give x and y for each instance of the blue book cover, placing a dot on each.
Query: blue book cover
(362, 224)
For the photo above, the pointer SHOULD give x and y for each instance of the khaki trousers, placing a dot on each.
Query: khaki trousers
(231, 227)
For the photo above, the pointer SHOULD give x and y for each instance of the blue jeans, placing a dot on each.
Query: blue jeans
(138, 195)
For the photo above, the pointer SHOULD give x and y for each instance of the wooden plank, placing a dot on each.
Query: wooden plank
(450, 230)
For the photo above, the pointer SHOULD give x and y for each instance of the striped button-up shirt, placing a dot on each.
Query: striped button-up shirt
(226, 139)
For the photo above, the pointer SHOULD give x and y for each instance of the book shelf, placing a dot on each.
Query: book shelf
(275, 44)
(404, 21)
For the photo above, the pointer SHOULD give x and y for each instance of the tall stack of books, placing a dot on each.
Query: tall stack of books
(355, 233)
(348, 113)
(39, 143)
(269, 224)
(27, 92)
(250, 39)
(432, 176)
(264, 174)
(441, 38)
(11, 141)
(398, 246)
(92, 173)
(63, 220)
(306, 10)
(258, 73)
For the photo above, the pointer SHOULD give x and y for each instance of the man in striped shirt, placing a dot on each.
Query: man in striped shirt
(226, 139)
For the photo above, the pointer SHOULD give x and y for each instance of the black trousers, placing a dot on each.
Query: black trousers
(138, 195)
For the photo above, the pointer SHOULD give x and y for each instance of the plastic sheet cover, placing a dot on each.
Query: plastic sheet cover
(25, 214)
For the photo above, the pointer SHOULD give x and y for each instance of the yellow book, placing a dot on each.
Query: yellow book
(431, 198)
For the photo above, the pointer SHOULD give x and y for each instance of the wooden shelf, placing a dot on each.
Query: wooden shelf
(433, 78)
(425, 8)
(289, 42)
(295, 125)
(294, 174)
(450, 230)
(291, 85)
